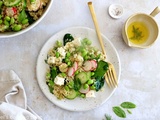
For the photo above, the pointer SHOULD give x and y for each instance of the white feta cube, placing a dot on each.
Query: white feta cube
(51, 60)
(77, 41)
(62, 52)
(59, 80)
(91, 93)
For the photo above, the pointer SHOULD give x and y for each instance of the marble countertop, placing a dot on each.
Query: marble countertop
(139, 81)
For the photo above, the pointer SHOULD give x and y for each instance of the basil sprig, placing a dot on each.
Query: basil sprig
(119, 110)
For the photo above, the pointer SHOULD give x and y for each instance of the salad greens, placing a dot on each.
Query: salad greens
(16, 15)
(74, 68)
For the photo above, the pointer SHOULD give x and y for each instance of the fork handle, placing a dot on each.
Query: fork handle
(96, 26)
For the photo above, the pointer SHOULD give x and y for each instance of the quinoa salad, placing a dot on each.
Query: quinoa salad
(76, 68)
(16, 15)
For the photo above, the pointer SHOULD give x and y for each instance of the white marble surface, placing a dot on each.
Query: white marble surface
(140, 76)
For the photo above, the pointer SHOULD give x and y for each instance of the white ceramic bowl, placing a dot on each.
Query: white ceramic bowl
(150, 24)
(13, 34)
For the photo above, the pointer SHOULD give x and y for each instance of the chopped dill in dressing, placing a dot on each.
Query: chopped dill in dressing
(138, 32)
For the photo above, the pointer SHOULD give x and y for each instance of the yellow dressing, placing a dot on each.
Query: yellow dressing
(137, 32)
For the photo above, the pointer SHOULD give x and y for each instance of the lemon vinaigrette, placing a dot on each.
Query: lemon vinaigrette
(137, 32)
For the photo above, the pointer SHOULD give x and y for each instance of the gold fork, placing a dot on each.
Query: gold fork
(110, 75)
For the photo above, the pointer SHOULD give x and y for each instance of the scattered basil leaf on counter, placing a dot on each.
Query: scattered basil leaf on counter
(108, 117)
(128, 105)
(119, 112)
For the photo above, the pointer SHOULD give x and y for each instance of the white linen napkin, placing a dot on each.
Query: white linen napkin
(13, 100)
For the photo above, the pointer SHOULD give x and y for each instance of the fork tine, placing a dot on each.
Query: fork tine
(114, 74)
(110, 78)
(107, 80)
(113, 78)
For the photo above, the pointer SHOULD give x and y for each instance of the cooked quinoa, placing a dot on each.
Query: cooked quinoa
(17, 15)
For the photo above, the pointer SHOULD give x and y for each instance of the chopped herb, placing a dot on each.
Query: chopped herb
(137, 34)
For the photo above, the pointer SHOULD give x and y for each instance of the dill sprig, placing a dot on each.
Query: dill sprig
(137, 34)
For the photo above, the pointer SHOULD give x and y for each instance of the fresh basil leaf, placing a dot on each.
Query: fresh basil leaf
(119, 112)
(77, 84)
(53, 73)
(67, 38)
(22, 16)
(99, 83)
(101, 68)
(128, 105)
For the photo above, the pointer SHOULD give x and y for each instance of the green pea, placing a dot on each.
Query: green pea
(7, 18)
(92, 73)
(86, 57)
(83, 95)
(76, 72)
(1, 21)
(66, 88)
(63, 74)
(59, 43)
(85, 86)
(25, 21)
(0, 16)
(92, 87)
(68, 54)
(54, 68)
(57, 54)
(92, 56)
(84, 52)
(51, 83)
(69, 63)
(71, 84)
(6, 22)
(17, 27)
(88, 42)
(12, 21)
(48, 75)
(89, 82)
(66, 60)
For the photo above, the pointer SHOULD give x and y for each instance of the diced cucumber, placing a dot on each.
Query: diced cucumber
(82, 76)
(11, 3)
(71, 94)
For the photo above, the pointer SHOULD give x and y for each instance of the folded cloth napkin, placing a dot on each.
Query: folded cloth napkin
(13, 100)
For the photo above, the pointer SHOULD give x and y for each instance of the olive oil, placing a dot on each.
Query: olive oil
(137, 32)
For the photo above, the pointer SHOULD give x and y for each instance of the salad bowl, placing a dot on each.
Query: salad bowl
(17, 17)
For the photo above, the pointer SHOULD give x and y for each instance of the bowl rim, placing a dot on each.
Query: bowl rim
(125, 30)
(13, 34)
